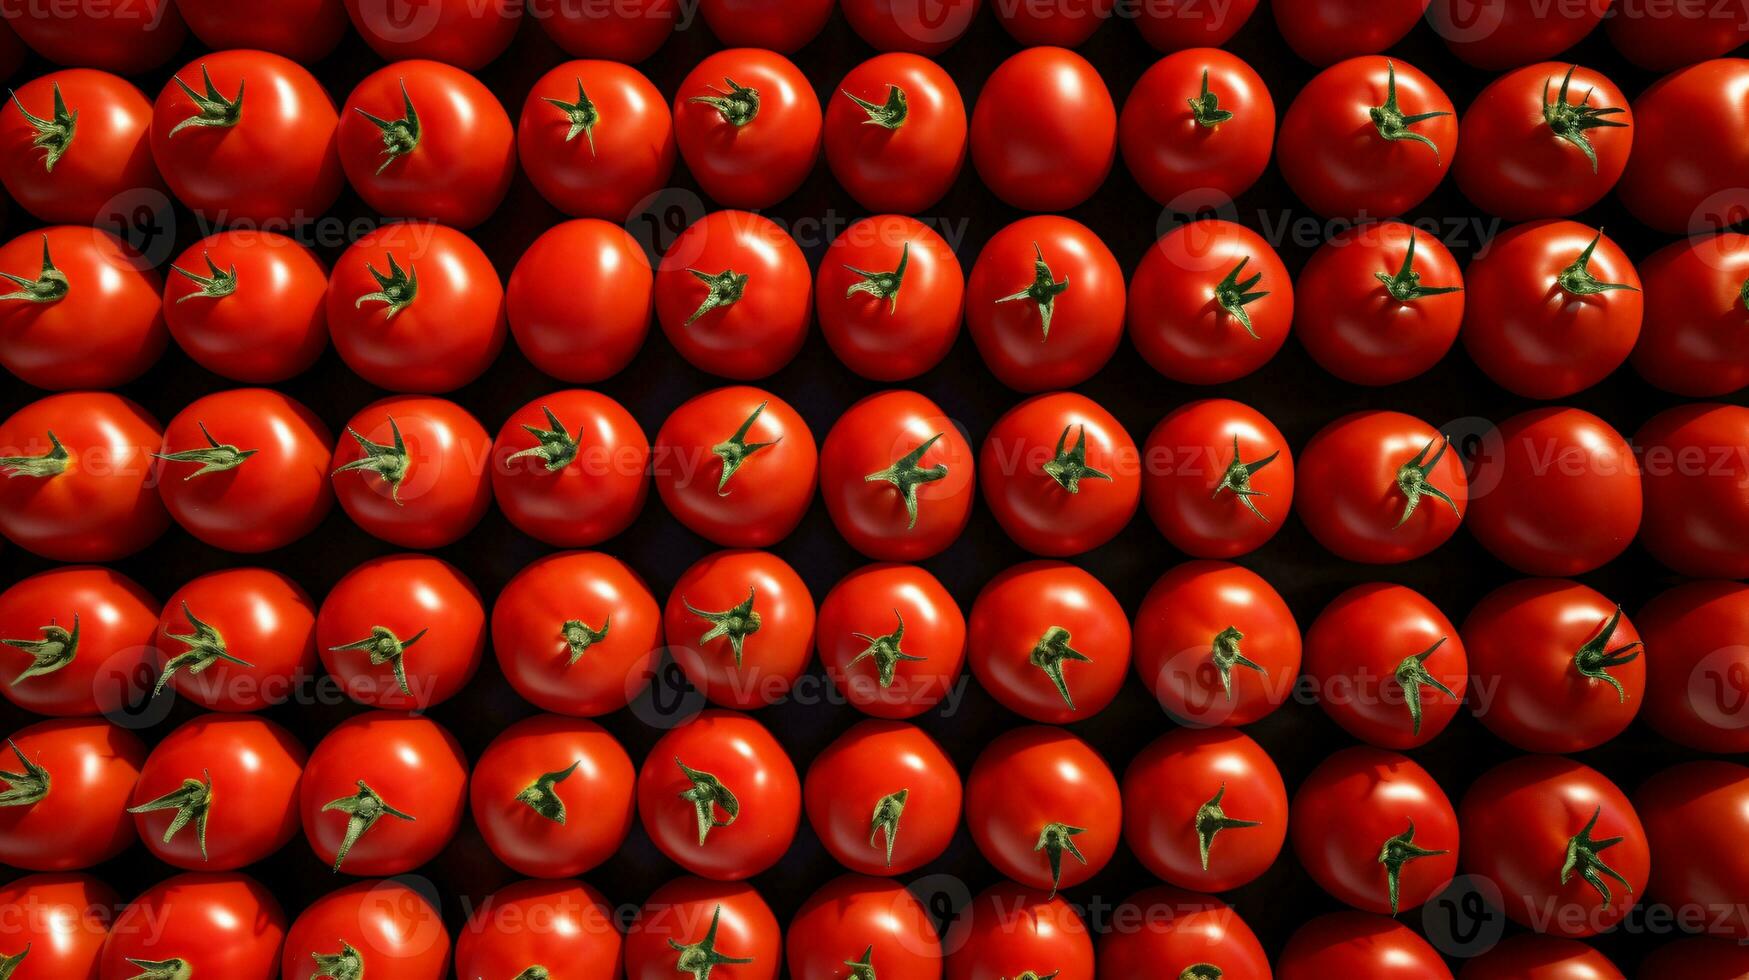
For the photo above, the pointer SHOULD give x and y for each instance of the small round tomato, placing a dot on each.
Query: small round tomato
(127, 39)
(778, 25)
(371, 928)
(629, 31)
(220, 792)
(1218, 478)
(719, 796)
(895, 133)
(1696, 299)
(304, 30)
(1694, 814)
(75, 639)
(1663, 37)
(896, 772)
(1379, 304)
(84, 311)
(1696, 958)
(1558, 492)
(66, 802)
(1691, 148)
(383, 793)
(1197, 129)
(690, 925)
(898, 476)
(1210, 303)
(1381, 487)
(552, 796)
(571, 468)
(1044, 130)
(419, 139)
(867, 924)
(1173, 25)
(239, 639)
(464, 33)
(1497, 34)
(734, 295)
(402, 631)
(1364, 138)
(197, 925)
(1334, 30)
(596, 140)
(579, 300)
(519, 929)
(748, 124)
(1216, 644)
(414, 471)
(1532, 957)
(1387, 665)
(1067, 500)
(66, 173)
(1695, 477)
(59, 931)
(1205, 808)
(1010, 930)
(1358, 944)
(1197, 935)
(1043, 807)
(741, 626)
(892, 640)
(889, 296)
(1560, 841)
(1049, 642)
(1535, 150)
(1697, 682)
(760, 484)
(248, 305)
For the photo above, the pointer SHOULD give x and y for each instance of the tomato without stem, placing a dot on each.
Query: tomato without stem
(66, 800)
(383, 927)
(892, 640)
(1217, 477)
(883, 798)
(1210, 303)
(889, 26)
(779, 25)
(1197, 129)
(897, 476)
(580, 299)
(741, 626)
(1381, 487)
(1069, 499)
(521, 928)
(83, 310)
(1696, 299)
(1694, 812)
(629, 31)
(59, 932)
(302, 30)
(571, 469)
(402, 631)
(1216, 644)
(1531, 957)
(762, 480)
(1333, 30)
(1387, 665)
(1662, 38)
(127, 40)
(1205, 808)
(1499, 34)
(464, 33)
(1044, 130)
(76, 640)
(239, 639)
(1175, 930)
(895, 133)
(719, 796)
(695, 926)
(1010, 930)
(596, 139)
(1049, 641)
(1043, 807)
(874, 923)
(748, 124)
(63, 172)
(1544, 141)
(1358, 944)
(1698, 681)
(383, 793)
(1690, 148)
(1064, 25)
(414, 471)
(248, 305)
(1172, 25)
(734, 295)
(553, 796)
(1696, 958)
(889, 297)
(195, 925)
(219, 792)
(1696, 484)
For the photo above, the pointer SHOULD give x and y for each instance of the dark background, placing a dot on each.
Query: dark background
(1291, 390)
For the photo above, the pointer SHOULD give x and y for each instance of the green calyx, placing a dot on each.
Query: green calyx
(1414, 481)
(882, 285)
(1398, 851)
(389, 463)
(9, 964)
(1577, 280)
(1412, 674)
(1069, 466)
(205, 648)
(737, 624)
(49, 286)
(888, 115)
(1030, 975)
(51, 463)
(1572, 121)
(1233, 295)
(1043, 292)
(887, 812)
(700, 958)
(884, 651)
(1583, 859)
(535, 972)
(542, 795)
(216, 284)
(52, 136)
(171, 969)
(363, 809)
(192, 801)
(862, 969)
(1405, 286)
(1226, 656)
(722, 290)
(398, 287)
(1210, 820)
(907, 476)
(55, 650)
(707, 794)
(400, 136)
(344, 965)
(385, 648)
(1049, 654)
(1201, 971)
(1237, 479)
(211, 110)
(738, 106)
(1390, 121)
(554, 447)
(1743, 294)
(735, 450)
(579, 636)
(214, 457)
(583, 116)
(1055, 840)
(28, 785)
(1594, 658)
(1206, 107)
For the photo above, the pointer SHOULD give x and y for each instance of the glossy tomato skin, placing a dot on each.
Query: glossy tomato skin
(854, 919)
(1184, 644)
(1689, 343)
(215, 924)
(1044, 130)
(1660, 40)
(898, 26)
(575, 487)
(730, 751)
(1036, 782)
(741, 328)
(774, 647)
(92, 766)
(747, 152)
(580, 299)
(575, 928)
(1497, 34)
(870, 626)
(1007, 296)
(265, 319)
(1366, 480)
(896, 331)
(412, 763)
(1187, 157)
(1047, 620)
(875, 436)
(126, 41)
(1097, 483)
(630, 32)
(103, 157)
(1187, 296)
(1172, 780)
(1358, 944)
(1562, 492)
(1532, 957)
(252, 614)
(252, 768)
(426, 497)
(423, 607)
(1009, 930)
(612, 165)
(115, 620)
(742, 489)
(593, 791)
(1173, 25)
(1697, 680)
(1361, 655)
(457, 32)
(896, 162)
(1518, 165)
(1190, 478)
(105, 329)
(302, 30)
(683, 913)
(874, 761)
(1696, 486)
(777, 25)
(1176, 930)
(391, 928)
(1690, 147)
(64, 920)
(1334, 30)
(1692, 813)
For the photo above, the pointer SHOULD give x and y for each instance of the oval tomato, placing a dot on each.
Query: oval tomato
(388, 606)
(918, 28)
(872, 923)
(1044, 130)
(719, 796)
(890, 311)
(1660, 38)
(1697, 683)
(464, 33)
(60, 933)
(734, 296)
(760, 484)
(1333, 30)
(1531, 957)
(77, 639)
(219, 792)
(415, 471)
(779, 25)
(1010, 930)
(741, 626)
(84, 313)
(897, 475)
(892, 640)
(248, 305)
(383, 793)
(1498, 34)
(690, 922)
(66, 802)
(1067, 500)
(1693, 814)
(596, 140)
(1210, 303)
(305, 31)
(1358, 944)
(1381, 487)
(66, 173)
(197, 925)
(629, 31)
(752, 141)
(1197, 935)
(521, 928)
(1696, 297)
(239, 639)
(896, 140)
(579, 300)
(1690, 149)
(1387, 665)
(1214, 479)
(1205, 808)
(1049, 642)
(1695, 478)
(552, 796)
(126, 40)
(1197, 129)
(1043, 807)
(1172, 25)
(383, 927)
(571, 469)
(896, 772)
(1511, 167)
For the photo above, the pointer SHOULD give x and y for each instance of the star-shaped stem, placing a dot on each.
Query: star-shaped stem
(1594, 658)
(1201, 971)
(1233, 295)
(1405, 286)
(887, 812)
(738, 106)
(1415, 481)
(1583, 859)
(1577, 280)
(1211, 819)
(884, 651)
(907, 476)
(170, 969)
(554, 447)
(10, 963)
(389, 463)
(735, 450)
(1398, 851)
(400, 136)
(50, 284)
(1573, 121)
(700, 958)
(1226, 655)
(707, 794)
(542, 795)
(397, 288)
(1237, 478)
(1043, 292)
(1054, 840)
(579, 636)
(344, 965)
(216, 284)
(1206, 106)
(52, 135)
(51, 463)
(737, 624)
(888, 115)
(1048, 655)
(28, 785)
(386, 648)
(1069, 466)
(1412, 674)
(211, 109)
(862, 969)
(882, 285)
(192, 801)
(363, 809)
(583, 115)
(206, 647)
(1390, 121)
(722, 290)
(535, 972)
(214, 457)
(55, 650)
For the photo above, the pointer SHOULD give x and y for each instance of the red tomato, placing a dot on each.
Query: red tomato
(1389, 487)
(1694, 814)
(464, 33)
(1216, 644)
(65, 802)
(1696, 958)
(383, 793)
(1697, 684)
(917, 28)
(1010, 315)
(1197, 129)
(1364, 139)
(519, 929)
(871, 923)
(571, 468)
(383, 927)
(219, 792)
(748, 125)
(1199, 935)
(1387, 665)
(248, 305)
(1691, 149)
(1043, 807)
(419, 139)
(596, 140)
(1696, 296)
(553, 796)
(1499, 34)
(1532, 957)
(760, 484)
(1695, 478)
(402, 631)
(239, 639)
(1173, 25)
(1334, 30)
(734, 295)
(61, 931)
(1067, 500)
(719, 796)
(780, 25)
(628, 31)
(897, 475)
(127, 39)
(1210, 303)
(1561, 843)
(79, 477)
(1204, 808)
(1044, 130)
(897, 138)
(1064, 25)
(890, 311)
(85, 311)
(1659, 37)
(579, 300)
(302, 30)
(1358, 944)
(415, 471)
(1558, 492)
(77, 639)
(892, 640)
(65, 173)
(1049, 642)
(1215, 480)
(197, 925)
(1010, 930)
(741, 626)
(1513, 168)
(895, 772)
(723, 929)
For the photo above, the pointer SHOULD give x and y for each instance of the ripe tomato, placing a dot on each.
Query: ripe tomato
(741, 626)
(917, 28)
(219, 792)
(1696, 958)
(60, 933)
(520, 929)
(1559, 840)
(197, 925)
(892, 640)
(1358, 944)
(369, 928)
(1334, 30)
(897, 139)
(870, 271)
(751, 142)
(64, 173)
(1532, 957)
(779, 25)
(1199, 935)
(755, 437)
(1214, 479)
(85, 312)
(1210, 303)
(553, 796)
(1044, 130)
(65, 803)
(596, 140)
(1696, 484)
(1067, 500)
(1173, 25)
(716, 929)
(1204, 808)
(628, 31)
(419, 139)
(1498, 34)
(734, 295)
(1562, 492)
(1197, 129)
(872, 923)
(1043, 807)
(1010, 316)
(1691, 148)
(302, 30)
(1379, 304)
(79, 476)
(1387, 665)
(1693, 814)
(883, 798)
(1049, 642)
(464, 33)
(579, 300)
(1698, 682)
(571, 468)
(1660, 38)
(388, 606)
(1064, 25)
(383, 793)
(404, 334)
(239, 639)
(1216, 644)
(897, 475)
(248, 305)
(719, 796)
(1010, 930)
(415, 471)
(1696, 296)
(77, 639)
(1363, 139)
(1512, 167)
(1389, 489)
(126, 39)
